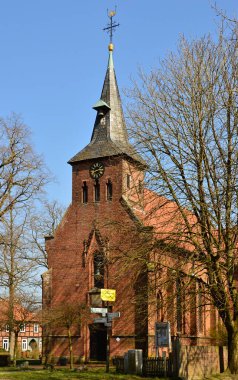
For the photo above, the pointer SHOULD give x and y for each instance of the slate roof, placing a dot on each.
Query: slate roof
(109, 137)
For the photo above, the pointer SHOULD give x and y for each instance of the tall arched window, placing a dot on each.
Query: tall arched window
(98, 270)
(200, 309)
(128, 181)
(180, 299)
(97, 191)
(85, 192)
(109, 190)
(140, 187)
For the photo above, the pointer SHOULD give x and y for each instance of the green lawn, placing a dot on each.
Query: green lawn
(91, 374)
(64, 374)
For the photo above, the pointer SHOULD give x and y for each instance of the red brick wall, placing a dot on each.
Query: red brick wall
(116, 234)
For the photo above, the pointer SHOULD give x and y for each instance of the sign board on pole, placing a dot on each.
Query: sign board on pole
(108, 295)
(98, 310)
(162, 334)
(110, 316)
(100, 320)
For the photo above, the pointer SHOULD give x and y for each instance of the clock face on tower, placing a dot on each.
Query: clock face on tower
(96, 170)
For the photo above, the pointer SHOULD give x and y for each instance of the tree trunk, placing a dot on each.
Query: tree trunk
(11, 280)
(71, 358)
(233, 349)
(15, 350)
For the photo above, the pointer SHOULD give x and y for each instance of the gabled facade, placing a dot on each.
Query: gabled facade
(106, 240)
(28, 328)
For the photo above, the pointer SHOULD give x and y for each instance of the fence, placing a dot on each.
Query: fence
(151, 366)
(157, 367)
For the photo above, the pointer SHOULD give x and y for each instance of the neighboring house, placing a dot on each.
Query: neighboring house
(28, 326)
(106, 240)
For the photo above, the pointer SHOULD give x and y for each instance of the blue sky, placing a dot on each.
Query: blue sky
(54, 55)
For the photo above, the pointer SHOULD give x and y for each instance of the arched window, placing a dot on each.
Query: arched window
(180, 299)
(97, 191)
(109, 190)
(200, 309)
(85, 192)
(128, 181)
(98, 270)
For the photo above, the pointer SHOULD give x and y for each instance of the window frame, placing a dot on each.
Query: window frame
(128, 181)
(97, 191)
(85, 192)
(23, 327)
(24, 344)
(98, 265)
(109, 190)
(5, 342)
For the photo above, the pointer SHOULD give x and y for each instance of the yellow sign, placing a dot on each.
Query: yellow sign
(108, 295)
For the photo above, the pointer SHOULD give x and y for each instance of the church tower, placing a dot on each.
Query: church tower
(99, 227)
(99, 175)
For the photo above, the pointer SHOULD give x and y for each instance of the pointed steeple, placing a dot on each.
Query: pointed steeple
(109, 137)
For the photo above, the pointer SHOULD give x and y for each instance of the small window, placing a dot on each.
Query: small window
(36, 328)
(103, 121)
(22, 327)
(24, 345)
(5, 344)
(128, 181)
(109, 190)
(85, 192)
(97, 191)
(7, 328)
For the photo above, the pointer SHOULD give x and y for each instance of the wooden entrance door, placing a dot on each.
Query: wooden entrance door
(98, 342)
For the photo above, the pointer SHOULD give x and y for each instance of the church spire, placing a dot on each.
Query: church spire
(110, 124)
(109, 137)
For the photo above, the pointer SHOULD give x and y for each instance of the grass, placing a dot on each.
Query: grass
(91, 374)
(64, 374)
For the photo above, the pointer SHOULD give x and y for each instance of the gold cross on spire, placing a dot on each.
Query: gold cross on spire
(111, 26)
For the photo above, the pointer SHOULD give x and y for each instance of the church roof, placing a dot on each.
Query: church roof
(109, 137)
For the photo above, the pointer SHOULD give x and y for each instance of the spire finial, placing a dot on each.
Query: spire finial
(111, 26)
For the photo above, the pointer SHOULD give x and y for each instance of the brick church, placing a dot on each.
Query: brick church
(112, 236)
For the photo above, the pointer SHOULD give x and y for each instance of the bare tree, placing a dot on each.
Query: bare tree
(221, 13)
(22, 171)
(18, 272)
(22, 180)
(44, 221)
(184, 120)
(66, 317)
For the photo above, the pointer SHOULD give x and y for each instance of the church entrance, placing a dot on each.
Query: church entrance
(98, 342)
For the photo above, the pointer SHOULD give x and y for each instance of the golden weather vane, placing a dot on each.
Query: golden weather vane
(112, 25)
